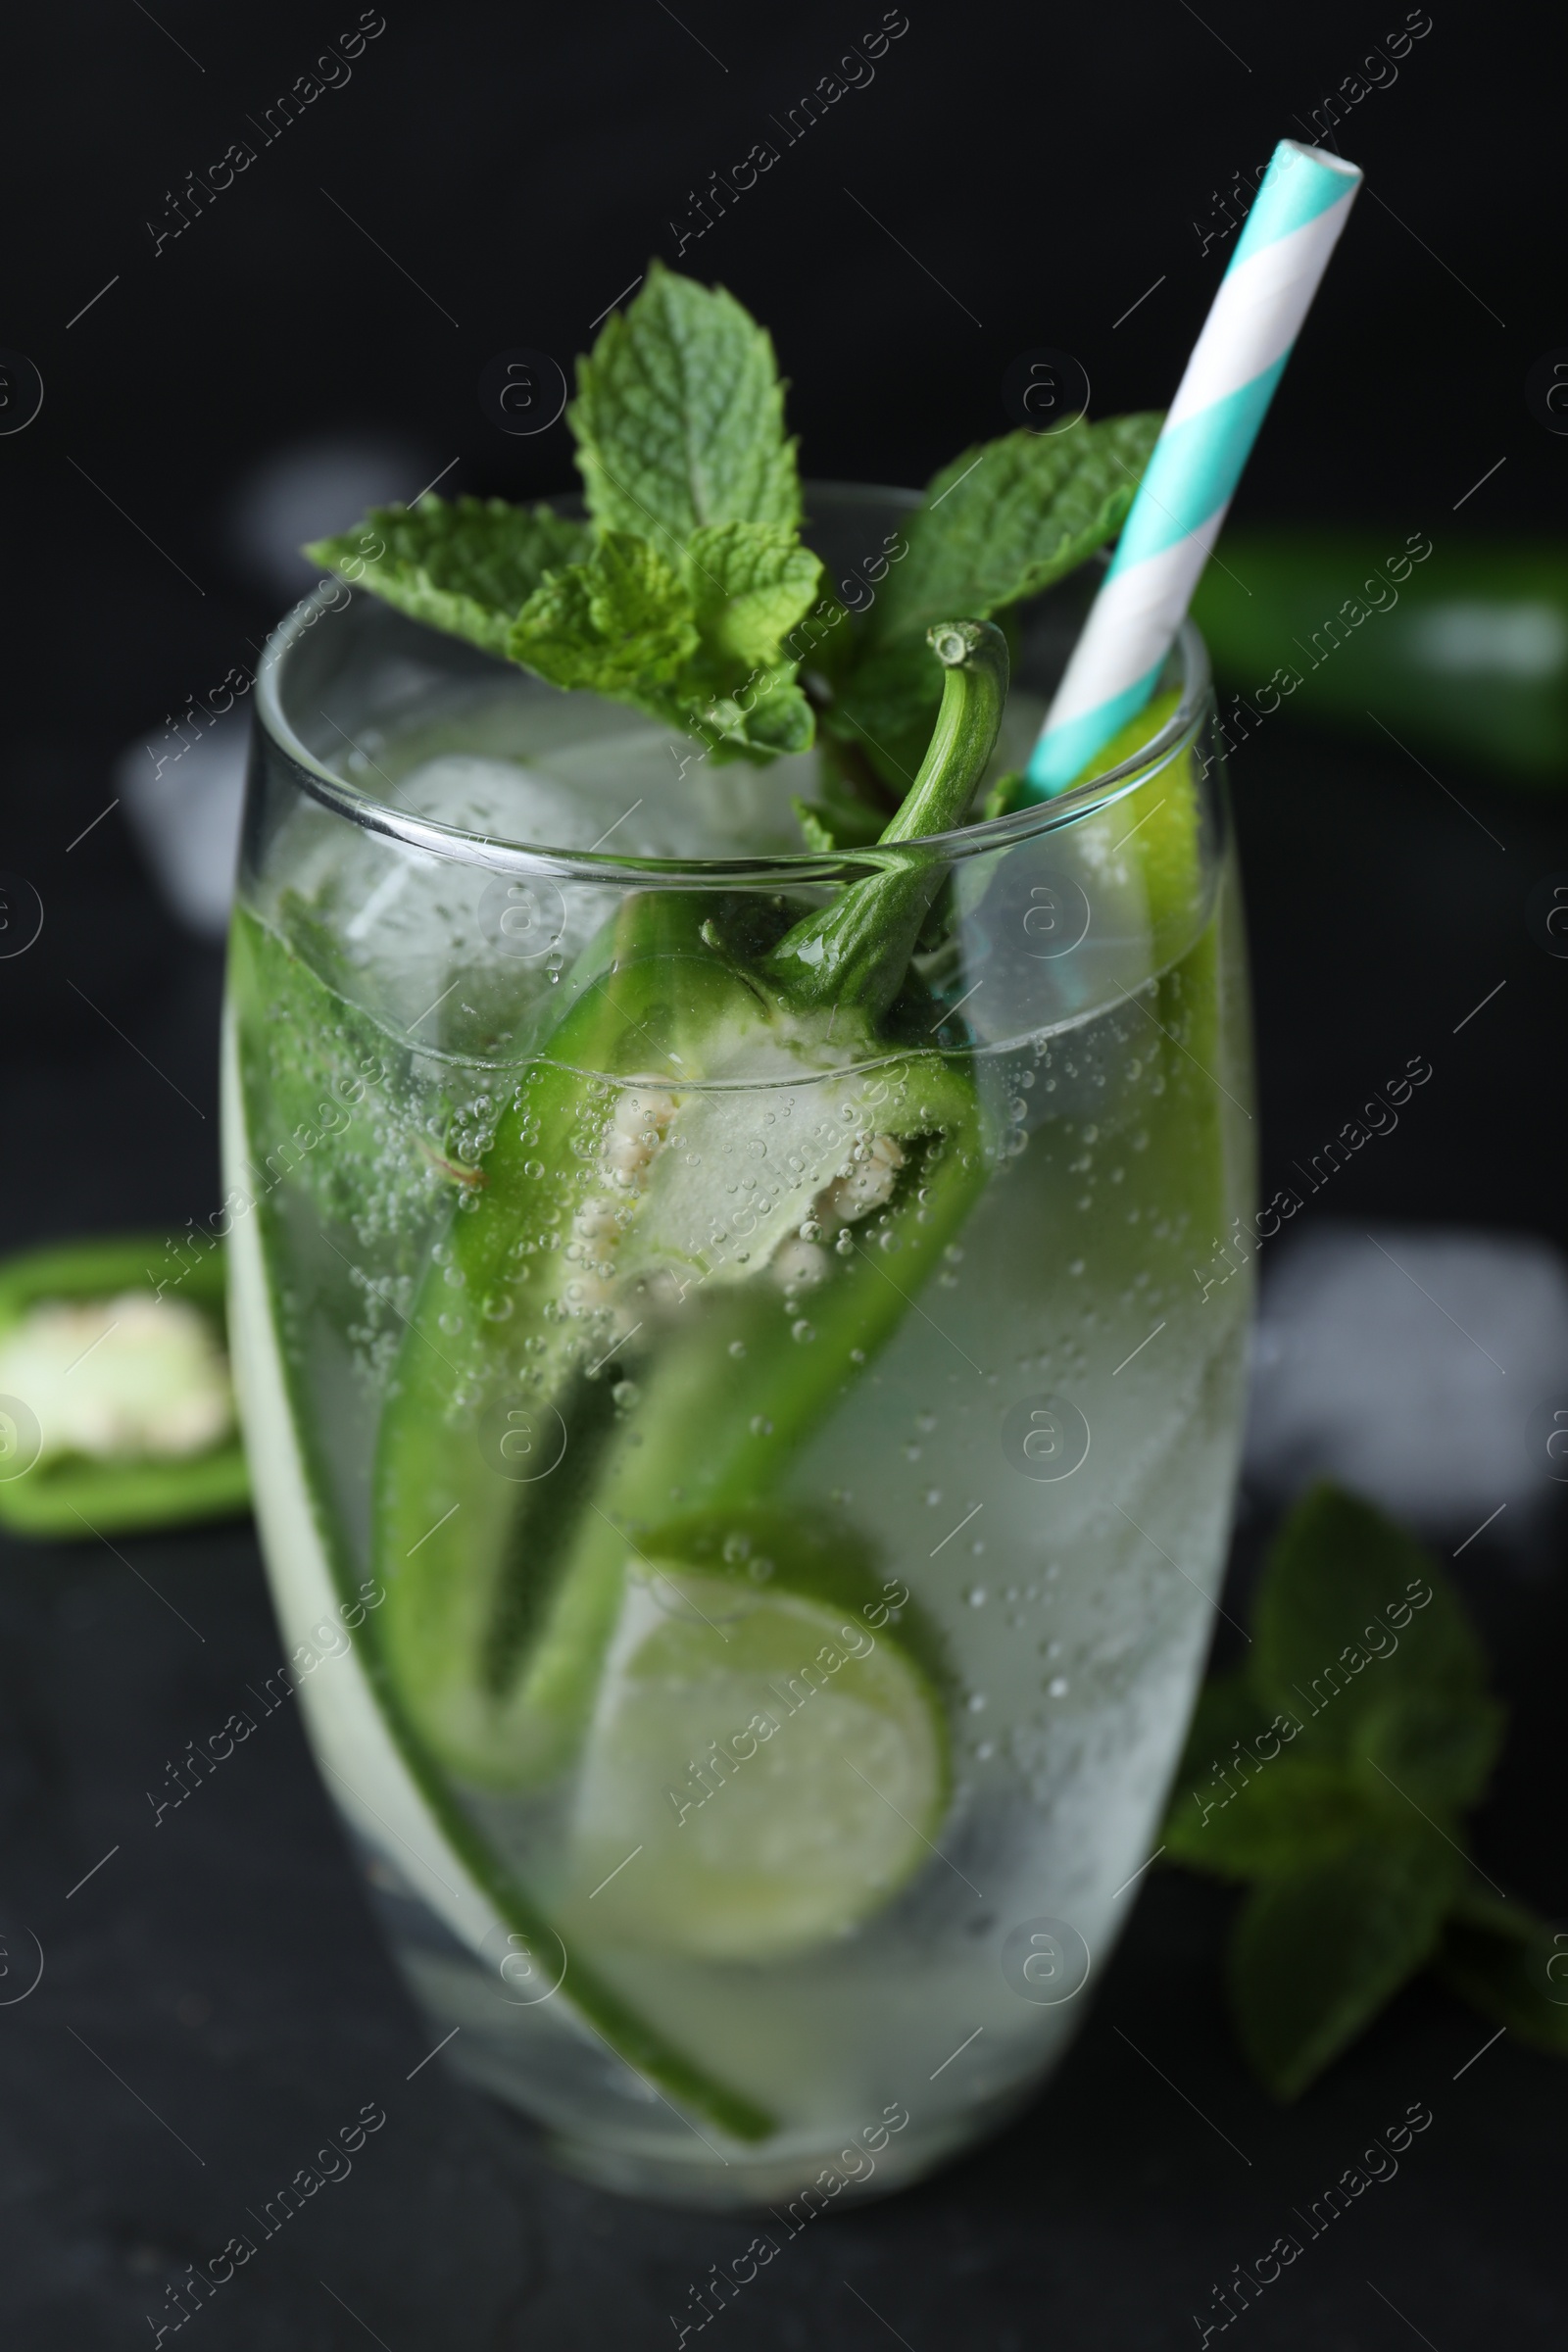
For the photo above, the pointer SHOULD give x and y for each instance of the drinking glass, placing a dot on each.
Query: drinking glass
(742, 1503)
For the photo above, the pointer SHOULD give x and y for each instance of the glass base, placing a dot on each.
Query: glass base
(794, 2188)
(597, 2119)
(794, 2185)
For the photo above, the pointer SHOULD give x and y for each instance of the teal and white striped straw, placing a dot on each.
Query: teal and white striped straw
(1282, 253)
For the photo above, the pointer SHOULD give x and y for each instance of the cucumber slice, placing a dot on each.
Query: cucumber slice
(764, 1771)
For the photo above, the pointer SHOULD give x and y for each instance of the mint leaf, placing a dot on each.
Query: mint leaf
(750, 584)
(1228, 1713)
(1004, 520)
(467, 567)
(1351, 1614)
(815, 828)
(1510, 1964)
(626, 624)
(620, 624)
(1001, 522)
(1332, 1770)
(1006, 795)
(1318, 1951)
(679, 417)
(781, 722)
(836, 822)
(1283, 1815)
(1428, 1751)
(885, 706)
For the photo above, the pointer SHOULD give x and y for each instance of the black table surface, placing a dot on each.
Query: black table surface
(215, 2001)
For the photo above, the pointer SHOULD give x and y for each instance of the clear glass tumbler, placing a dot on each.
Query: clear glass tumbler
(742, 1494)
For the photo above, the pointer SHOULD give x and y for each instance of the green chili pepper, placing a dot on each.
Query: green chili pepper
(129, 1422)
(505, 1478)
(1454, 646)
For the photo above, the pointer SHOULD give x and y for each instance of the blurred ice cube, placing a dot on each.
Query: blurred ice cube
(311, 489)
(184, 801)
(1427, 1368)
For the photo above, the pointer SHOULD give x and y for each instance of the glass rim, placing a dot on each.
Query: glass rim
(457, 845)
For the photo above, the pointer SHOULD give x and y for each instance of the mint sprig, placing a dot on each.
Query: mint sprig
(467, 567)
(679, 417)
(1332, 1774)
(689, 595)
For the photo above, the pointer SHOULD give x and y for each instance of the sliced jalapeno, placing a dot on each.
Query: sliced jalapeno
(507, 1478)
(116, 1408)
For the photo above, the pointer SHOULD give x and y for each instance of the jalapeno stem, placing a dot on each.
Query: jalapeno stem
(855, 953)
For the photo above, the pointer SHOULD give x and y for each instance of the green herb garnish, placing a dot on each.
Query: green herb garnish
(690, 595)
(1332, 1774)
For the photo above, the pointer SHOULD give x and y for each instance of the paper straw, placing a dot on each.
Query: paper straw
(1175, 517)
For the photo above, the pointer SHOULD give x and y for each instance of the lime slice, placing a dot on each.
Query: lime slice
(764, 1771)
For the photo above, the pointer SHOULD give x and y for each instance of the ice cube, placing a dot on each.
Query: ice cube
(1425, 1367)
(183, 800)
(437, 955)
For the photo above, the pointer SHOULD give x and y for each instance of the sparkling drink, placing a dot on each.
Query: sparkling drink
(743, 1492)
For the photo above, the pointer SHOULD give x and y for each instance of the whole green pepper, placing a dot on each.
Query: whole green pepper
(1452, 646)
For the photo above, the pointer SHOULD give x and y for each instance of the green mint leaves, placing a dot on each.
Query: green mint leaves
(678, 595)
(619, 623)
(1319, 1949)
(1001, 522)
(467, 567)
(686, 641)
(688, 593)
(699, 574)
(1332, 1774)
(679, 418)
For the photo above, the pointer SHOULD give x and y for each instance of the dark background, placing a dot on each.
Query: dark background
(1031, 175)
